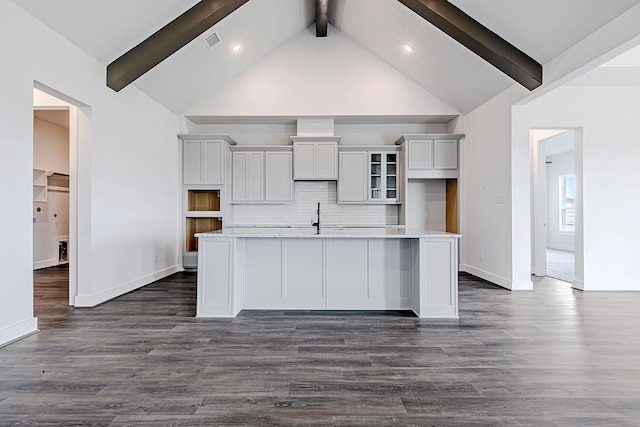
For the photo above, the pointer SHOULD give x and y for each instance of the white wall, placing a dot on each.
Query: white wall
(560, 164)
(332, 76)
(486, 242)
(51, 147)
(496, 160)
(128, 173)
(608, 116)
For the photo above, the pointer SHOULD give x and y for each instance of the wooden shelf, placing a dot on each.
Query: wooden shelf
(199, 225)
(203, 200)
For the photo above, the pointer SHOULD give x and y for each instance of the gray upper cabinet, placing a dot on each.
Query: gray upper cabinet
(203, 158)
(420, 154)
(369, 175)
(278, 176)
(445, 154)
(315, 158)
(262, 175)
(431, 155)
(352, 179)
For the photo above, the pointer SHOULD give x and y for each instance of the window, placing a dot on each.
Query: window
(567, 203)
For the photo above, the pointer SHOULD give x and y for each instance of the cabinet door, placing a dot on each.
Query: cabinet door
(304, 159)
(247, 175)
(213, 164)
(255, 176)
(278, 177)
(390, 176)
(352, 177)
(326, 161)
(421, 154)
(192, 162)
(239, 177)
(446, 154)
(376, 177)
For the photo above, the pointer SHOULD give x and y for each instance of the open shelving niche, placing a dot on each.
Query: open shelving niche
(202, 214)
(40, 185)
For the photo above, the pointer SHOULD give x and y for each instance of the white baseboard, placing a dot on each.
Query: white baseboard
(520, 285)
(18, 331)
(565, 248)
(610, 286)
(108, 294)
(578, 284)
(45, 264)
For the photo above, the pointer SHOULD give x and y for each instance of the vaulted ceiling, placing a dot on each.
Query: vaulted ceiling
(540, 28)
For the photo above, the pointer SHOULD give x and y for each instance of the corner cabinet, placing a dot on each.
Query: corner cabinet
(315, 158)
(203, 189)
(369, 175)
(431, 155)
(203, 158)
(262, 174)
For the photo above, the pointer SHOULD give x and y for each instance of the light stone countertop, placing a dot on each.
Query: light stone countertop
(326, 232)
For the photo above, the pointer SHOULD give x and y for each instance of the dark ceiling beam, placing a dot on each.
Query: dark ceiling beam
(322, 17)
(168, 40)
(479, 39)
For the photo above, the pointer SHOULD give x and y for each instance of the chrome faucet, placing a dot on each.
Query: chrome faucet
(317, 223)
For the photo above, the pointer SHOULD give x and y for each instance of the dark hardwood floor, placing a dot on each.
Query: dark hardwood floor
(551, 357)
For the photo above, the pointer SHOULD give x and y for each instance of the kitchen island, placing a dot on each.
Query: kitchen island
(288, 268)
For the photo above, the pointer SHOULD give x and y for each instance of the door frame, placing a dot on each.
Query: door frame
(79, 136)
(539, 196)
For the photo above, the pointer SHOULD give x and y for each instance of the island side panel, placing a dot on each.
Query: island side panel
(347, 274)
(304, 274)
(439, 277)
(216, 278)
(262, 268)
(390, 274)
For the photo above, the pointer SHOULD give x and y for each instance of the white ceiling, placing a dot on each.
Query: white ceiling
(541, 28)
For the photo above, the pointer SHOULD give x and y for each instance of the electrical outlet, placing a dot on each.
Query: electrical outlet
(481, 256)
(155, 258)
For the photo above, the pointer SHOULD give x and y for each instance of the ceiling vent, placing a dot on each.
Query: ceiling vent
(212, 39)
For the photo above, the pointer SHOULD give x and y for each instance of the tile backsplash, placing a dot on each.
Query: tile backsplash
(307, 194)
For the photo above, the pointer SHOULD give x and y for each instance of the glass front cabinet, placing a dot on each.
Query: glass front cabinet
(383, 177)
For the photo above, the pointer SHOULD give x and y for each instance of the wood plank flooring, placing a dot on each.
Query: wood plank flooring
(551, 357)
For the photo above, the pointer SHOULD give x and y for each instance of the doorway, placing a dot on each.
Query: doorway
(55, 198)
(556, 171)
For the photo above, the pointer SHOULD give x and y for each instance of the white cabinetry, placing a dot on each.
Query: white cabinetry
(315, 158)
(431, 155)
(203, 176)
(203, 158)
(328, 273)
(278, 180)
(383, 177)
(262, 175)
(369, 175)
(247, 176)
(352, 177)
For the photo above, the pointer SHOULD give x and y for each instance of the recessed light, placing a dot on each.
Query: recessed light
(236, 48)
(407, 49)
